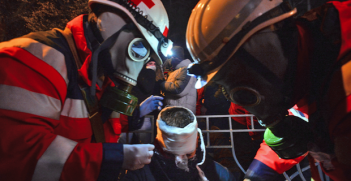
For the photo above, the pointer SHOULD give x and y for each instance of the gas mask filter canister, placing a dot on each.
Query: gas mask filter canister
(119, 98)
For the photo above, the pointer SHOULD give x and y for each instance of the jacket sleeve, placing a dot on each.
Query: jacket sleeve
(178, 84)
(33, 87)
(143, 174)
(267, 165)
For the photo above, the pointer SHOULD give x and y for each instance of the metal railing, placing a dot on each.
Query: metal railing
(207, 132)
(150, 131)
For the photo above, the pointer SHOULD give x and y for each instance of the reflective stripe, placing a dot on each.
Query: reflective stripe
(232, 26)
(50, 164)
(75, 108)
(298, 114)
(22, 100)
(46, 53)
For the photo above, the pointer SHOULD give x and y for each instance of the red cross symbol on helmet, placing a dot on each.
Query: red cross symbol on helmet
(148, 3)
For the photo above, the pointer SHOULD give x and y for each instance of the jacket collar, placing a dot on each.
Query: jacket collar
(79, 35)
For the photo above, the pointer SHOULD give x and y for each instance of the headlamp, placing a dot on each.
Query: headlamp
(169, 53)
(166, 47)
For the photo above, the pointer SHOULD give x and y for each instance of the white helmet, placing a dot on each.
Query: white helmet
(217, 28)
(151, 18)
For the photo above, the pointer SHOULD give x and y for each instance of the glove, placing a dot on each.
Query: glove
(150, 104)
(137, 155)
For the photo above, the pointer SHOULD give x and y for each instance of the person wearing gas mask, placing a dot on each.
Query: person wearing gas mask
(178, 154)
(179, 87)
(64, 93)
(269, 56)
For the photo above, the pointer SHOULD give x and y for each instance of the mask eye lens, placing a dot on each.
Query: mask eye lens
(245, 96)
(138, 49)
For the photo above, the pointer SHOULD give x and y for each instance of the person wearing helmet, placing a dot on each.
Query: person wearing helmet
(269, 57)
(65, 95)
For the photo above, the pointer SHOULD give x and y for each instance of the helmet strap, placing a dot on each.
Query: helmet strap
(143, 21)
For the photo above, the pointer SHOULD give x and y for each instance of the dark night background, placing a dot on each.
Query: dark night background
(19, 17)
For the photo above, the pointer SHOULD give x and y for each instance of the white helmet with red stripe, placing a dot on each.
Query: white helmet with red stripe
(218, 28)
(151, 19)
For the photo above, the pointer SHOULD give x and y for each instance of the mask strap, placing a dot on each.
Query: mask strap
(202, 146)
(107, 44)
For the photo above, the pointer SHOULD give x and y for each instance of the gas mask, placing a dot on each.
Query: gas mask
(257, 77)
(126, 71)
(259, 68)
(122, 55)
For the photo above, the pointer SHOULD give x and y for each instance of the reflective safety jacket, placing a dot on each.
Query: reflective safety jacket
(324, 69)
(324, 72)
(45, 132)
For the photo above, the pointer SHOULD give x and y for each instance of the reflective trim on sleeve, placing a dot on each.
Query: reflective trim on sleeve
(50, 164)
(46, 53)
(75, 108)
(22, 100)
(297, 113)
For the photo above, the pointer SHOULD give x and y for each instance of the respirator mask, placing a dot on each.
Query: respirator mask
(125, 74)
(263, 86)
(127, 46)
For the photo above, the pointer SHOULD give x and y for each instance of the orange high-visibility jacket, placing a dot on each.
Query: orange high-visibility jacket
(45, 132)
